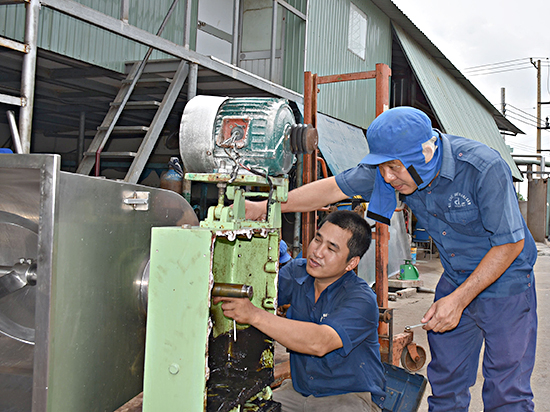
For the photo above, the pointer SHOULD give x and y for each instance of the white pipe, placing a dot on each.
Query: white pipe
(14, 132)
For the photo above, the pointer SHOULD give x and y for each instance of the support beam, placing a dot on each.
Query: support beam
(81, 138)
(192, 82)
(273, 41)
(14, 45)
(28, 73)
(309, 172)
(236, 31)
(116, 26)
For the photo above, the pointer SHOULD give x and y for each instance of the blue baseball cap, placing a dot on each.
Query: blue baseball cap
(398, 134)
(283, 252)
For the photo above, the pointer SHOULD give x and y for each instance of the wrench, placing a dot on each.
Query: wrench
(408, 328)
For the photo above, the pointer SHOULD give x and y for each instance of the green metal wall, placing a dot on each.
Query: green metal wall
(295, 44)
(327, 53)
(70, 37)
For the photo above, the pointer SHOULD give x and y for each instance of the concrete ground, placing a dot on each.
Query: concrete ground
(409, 311)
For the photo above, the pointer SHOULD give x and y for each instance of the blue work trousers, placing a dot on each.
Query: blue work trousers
(509, 327)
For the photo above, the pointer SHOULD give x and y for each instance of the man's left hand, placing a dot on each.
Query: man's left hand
(443, 315)
(239, 309)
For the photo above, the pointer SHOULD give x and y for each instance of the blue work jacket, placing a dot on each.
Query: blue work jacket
(470, 207)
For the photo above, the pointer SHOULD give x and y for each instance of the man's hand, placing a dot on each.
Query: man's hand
(239, 309)
(304, 337)
(255, 210)
(443, 315)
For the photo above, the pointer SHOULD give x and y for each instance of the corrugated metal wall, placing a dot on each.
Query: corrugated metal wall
(256, 42)
(458, 112)
(328, 54)
(294, 55)
(70, 37)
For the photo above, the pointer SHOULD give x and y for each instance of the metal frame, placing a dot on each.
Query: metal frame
(113, 25)
(121, 27)
(382, 75)
(29, 48)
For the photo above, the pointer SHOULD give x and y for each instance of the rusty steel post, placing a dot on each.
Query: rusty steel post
(309, 173)
(383, 73)
(382, 235)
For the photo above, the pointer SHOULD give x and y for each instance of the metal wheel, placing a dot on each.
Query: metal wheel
(413, 365)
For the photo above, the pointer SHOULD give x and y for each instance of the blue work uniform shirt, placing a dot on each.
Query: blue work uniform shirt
(348, 306)
(470, 207)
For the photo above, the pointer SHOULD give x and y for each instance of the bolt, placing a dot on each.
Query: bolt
(174, 368)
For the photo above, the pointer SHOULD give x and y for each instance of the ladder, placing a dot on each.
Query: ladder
(122, 100)
(152, 131)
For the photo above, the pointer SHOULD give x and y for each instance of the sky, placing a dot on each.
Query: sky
(500, 37)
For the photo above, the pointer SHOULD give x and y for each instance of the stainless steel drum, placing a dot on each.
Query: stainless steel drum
(73, 252)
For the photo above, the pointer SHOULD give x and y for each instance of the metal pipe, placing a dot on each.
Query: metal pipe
(124, 10)
(192, 80)
(187, 26)
(81, 137)
(28, 72)
(231, 290)
(235, 43)
(305, 35)
(323, 165)
(273, 41)
(518, 160)
(14, 132)
(297, 215)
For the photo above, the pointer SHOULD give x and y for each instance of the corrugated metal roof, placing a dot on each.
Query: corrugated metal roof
(398, 17)
(457, 110)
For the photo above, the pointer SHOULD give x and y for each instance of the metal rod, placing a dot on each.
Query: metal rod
(14, 132)
(14, 45)
(28, 73)
(273, 41)
(538, 108)
(192, 81)
(81, 137)
(297, 215)
(232, 290)
(235, 42)
(124, 10)
(187, 26)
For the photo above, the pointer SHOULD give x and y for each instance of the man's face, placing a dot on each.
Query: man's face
(397, 175)
(327, 254)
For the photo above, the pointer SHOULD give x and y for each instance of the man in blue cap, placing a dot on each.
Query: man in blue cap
(461, 191)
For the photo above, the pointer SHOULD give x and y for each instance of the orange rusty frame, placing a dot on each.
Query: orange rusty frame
(382, 75)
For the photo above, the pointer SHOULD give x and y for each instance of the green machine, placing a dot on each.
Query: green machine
(195, 358)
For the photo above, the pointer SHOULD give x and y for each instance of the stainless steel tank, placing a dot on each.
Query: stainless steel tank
(73, 254)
